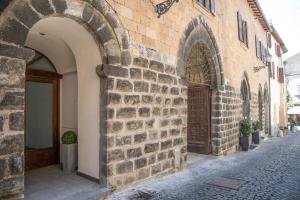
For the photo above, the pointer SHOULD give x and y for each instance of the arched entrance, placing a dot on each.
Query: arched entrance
(199, 66)
(42, 113)
(76, 36)
(266, 110)
(260, 105)
(245, 96)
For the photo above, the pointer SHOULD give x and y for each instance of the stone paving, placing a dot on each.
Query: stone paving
(270, 171)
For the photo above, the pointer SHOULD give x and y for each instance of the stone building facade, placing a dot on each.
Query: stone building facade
(145, 68)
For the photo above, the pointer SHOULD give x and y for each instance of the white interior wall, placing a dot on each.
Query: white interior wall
(86, 56)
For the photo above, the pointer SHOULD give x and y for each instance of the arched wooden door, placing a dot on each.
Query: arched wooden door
(199, 119)
(41, 114)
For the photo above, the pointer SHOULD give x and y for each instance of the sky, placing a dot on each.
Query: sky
(285, 16)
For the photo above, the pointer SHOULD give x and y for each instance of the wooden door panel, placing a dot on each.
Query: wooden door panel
(44, 155)
(199, 138)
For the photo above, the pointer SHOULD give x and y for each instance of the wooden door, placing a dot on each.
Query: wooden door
(41, 120)
(199, 123)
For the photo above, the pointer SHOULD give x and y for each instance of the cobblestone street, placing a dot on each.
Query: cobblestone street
(270, 171)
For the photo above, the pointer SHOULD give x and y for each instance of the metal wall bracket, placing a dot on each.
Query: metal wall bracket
(163, 7)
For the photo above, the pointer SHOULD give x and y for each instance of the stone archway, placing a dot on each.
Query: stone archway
(200, 68)
(15, 23)
(266, 101)
(245, 96)
(260, 104)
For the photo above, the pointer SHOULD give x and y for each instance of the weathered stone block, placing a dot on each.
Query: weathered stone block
(155, 88)
(177, 122)
(147, 99)
(167, 79)
(114, 98)
(156, 111)
(169, 69)
(42, 7)
(143, 173)
(124, 86)
(13, 31)
(144, 112)
(178, 141)
(152, 159)
(16, 121)
(11, 186)
(135, 73)
(138, 138)
(140, 86)
(174, 91)
(25, 14)
(126, 112)
(149, 148)
(140, 163)
(13, 100)
(60, 5)
(164, 134)
(166, 165)
(149, 75)
(155, 169)
(115, 155)
(110, 113)
(125, 167)
(126, 58)
(161, 156)
(11, 144)
(105, 34)
(134, 125)
(3, 168)
(132, 99)
(166, 144)
(165, 89)
(115, 127)
(178, 101)
(164, 123)
(149, 123)
(141, 62)
(175, 132)
(153, 135)
(125, 140)
(129, 179)
(157, 66)
(134, 153)
(158, 100)
(16, 164)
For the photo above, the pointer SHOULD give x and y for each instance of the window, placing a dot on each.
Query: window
(277, 50)
(208, 4)
(261, 51)
(269, 40)
(242, 29)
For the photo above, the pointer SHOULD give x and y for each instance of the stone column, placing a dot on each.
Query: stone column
(12, 95)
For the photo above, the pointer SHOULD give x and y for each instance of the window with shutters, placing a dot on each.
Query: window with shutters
(269, 40)
(209, 5)
(261, 51)
(242, 29)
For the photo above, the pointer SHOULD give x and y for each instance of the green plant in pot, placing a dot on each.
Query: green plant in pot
(256, 128)
(292, 123)
(245, 131)
(69, 151)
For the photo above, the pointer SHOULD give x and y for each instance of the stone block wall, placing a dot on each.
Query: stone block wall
(12, 94)
(146, 120)
(226, 115)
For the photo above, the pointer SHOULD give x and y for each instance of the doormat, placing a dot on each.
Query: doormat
(226, 182)
(142, 195)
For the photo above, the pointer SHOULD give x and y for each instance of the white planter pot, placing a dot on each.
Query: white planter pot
(69, 157)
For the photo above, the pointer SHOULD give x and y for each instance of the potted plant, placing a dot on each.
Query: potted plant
(256, 128)
(293, 124)
(69, 151)
(245, 130)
